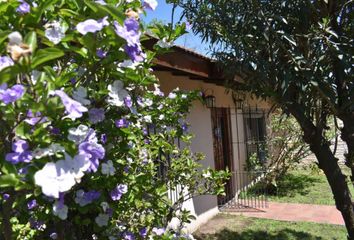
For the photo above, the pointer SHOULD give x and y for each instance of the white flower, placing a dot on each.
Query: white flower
(82, 133)
(128, 64)
(117, 93)
(61, 176)
(172, 95)
(206, 174)
(80, 95)
(79, 199)
(54, 32)
(157, 91)
(49, 151)
(35, 75)
(147, 119)
(164, 43)
(161, 117)
(102, 219)
(60, 210)
(15, 38)
(148, 102)
(77, 165)
(108, 168)
(150, 4)
(5, 62)
(54, 179)
(104, 206)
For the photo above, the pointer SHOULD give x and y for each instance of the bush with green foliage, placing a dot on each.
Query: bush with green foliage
(87, 138)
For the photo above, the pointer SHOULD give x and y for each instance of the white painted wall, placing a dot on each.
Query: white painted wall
(205, 207)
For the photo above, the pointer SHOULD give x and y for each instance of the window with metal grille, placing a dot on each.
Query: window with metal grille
(255, 134)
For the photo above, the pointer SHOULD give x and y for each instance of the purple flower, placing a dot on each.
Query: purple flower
(33, 119)
(12, 94)
(23, 171)
(32, 204)
(100, 53)
(150, 4)
(84, 198)
(95, 152)
(23, 8)
(5, 62)
(73, 108)
(91, 25)
(143, 232)
(109, 211)
(38, 225)
(117, 193)
(129, 31)
(135, 53)
(20, 153)
(104, 138)
(128, 236)
(96, 115)
(5, 196)
(92, 195)
(55, 130)
(145, 131)
(184, 127)
(55, 32)
(122, 123)
(128, 102)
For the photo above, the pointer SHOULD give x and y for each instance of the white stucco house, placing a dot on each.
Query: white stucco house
(224, 133)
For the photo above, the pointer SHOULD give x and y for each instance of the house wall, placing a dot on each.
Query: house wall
(205, 207)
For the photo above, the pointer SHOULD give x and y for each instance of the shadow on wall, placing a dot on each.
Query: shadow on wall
(204, 203)
(286, 234)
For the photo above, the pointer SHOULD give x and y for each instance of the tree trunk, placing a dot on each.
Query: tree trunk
(348, 137)
(329, 164)
(337, 181)
(7, 209)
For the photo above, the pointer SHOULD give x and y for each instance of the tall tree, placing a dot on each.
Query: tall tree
(298, 54)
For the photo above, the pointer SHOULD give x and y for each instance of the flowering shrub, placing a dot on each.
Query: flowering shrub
(88, 142)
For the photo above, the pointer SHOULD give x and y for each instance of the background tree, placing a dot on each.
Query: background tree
(88, 144)
(298, 54)
(286, 147)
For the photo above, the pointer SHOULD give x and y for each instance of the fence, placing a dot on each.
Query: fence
(249, 192)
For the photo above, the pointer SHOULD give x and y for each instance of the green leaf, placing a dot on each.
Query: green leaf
(3, 35)
(114, 12)
(8, 168)
(31, 40)
(9, 73)
(8, 180)
(45, 55)
(42, 7)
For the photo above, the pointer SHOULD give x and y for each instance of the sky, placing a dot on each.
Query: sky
(163, 12)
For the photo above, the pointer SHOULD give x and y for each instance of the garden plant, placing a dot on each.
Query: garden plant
(88, 141)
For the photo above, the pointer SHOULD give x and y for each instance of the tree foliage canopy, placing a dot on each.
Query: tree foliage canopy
(298, 54)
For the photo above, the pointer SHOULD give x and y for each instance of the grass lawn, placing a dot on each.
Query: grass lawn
(305, 185)
(232, 227)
